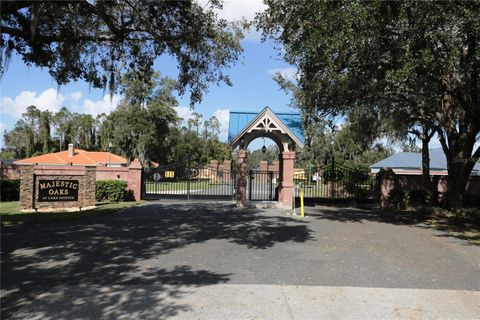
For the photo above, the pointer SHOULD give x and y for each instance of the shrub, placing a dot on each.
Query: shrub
(424, 212)
(9, 190)
(397, 198)
(472, 200)
(419, 197)
(112, 190)
(469, 214)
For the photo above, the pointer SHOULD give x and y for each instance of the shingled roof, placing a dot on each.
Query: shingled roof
(80, 157)
(413, 160)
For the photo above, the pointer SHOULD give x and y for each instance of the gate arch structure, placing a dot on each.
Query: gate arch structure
(284, 129)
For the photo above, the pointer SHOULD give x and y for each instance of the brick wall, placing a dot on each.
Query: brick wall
(390, 180)
(131, 174)
(265, 166)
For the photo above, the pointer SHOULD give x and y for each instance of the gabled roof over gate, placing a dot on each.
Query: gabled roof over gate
(265, 123)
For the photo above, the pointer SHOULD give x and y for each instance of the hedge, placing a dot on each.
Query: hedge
(9, 190)
(112, 190)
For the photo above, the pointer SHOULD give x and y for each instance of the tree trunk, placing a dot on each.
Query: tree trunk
(457, 182)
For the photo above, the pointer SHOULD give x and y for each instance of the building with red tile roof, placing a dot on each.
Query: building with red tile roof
(76, 157)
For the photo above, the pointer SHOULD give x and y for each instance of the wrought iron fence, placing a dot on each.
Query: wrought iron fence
(188, 181)
(262, 185)
(336, 182)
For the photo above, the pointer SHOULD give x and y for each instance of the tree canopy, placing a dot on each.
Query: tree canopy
(410, 62)
(98, 41)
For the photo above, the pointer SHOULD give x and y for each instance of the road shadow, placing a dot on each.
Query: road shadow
(448, 225)
(103, 251)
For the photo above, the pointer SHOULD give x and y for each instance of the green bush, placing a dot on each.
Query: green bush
(112, 190)
(9, 190)
(419, 197)
(469, 215)
(424, 212)
(398, 198)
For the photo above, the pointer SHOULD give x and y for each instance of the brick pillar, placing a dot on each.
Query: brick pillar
(241, 195)
(226, 167)
(274, 167)
(387, 183)
(263, 166)
(27, 188)
(135, 179)
(90, 187)
(286, 188)
(214, 165)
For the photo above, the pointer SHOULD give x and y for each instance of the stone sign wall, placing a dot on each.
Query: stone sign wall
(57, 188)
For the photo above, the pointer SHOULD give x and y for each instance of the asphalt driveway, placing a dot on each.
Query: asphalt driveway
(159, 249)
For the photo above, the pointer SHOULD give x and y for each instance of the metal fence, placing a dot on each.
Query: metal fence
(336, 183)
(262, 185)
(188, 181)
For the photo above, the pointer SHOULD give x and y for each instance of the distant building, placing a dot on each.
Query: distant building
(76, 157)
(411, 163)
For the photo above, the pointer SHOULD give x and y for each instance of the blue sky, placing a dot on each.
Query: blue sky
(252, 90)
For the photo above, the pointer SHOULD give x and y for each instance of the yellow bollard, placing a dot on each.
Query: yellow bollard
(302, 212)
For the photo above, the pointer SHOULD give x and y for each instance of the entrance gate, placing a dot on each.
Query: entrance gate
(337, 183)
(262, 186)
(183, 181)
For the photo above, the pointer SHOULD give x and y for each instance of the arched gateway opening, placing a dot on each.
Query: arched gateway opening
(285, 130)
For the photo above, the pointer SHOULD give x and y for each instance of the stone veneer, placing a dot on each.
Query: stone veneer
(30, 175)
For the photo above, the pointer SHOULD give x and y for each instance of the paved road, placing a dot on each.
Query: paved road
(157, 260)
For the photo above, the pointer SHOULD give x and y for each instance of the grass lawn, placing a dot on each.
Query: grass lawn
(10, 213)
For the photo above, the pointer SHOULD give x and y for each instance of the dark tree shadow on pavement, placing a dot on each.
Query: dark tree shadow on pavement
(103, 251)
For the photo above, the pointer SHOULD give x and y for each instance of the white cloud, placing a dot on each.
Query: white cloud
(289, 73)
(234, 10)
(223, 116)
(106, 105)
(49, 99)
(75, 96)
(184, 112)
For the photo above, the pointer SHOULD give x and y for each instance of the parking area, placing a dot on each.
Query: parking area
(150, 261)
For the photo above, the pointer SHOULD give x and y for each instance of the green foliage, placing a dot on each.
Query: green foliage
(256, 156)
(111, 190)
(419, 197)
(468, 215)
(9, 190)
(401, 199)
(139, 126)
(31, 134)
(398, 199)
(98, 41)
(407, 63)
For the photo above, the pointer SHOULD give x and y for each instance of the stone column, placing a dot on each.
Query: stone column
(241, 195)
(286, 188)
(386, 183)
(90, 189)
(135, 179)
(27, 188)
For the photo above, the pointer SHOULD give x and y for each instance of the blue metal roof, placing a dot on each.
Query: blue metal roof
(239, 120)
(412, 160)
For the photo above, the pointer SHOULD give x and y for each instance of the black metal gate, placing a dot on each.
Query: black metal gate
(185, 181)
(262, 185)
(336, 183)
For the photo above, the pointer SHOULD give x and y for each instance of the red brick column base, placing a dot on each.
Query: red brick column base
(285, 195)
(241, 194)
